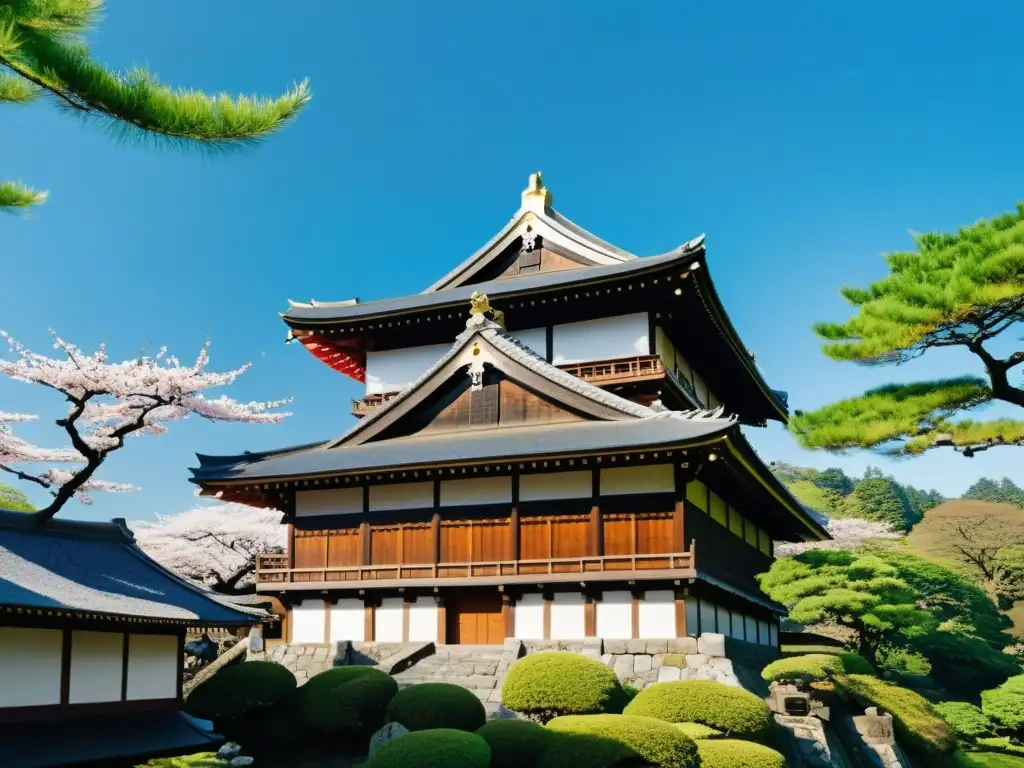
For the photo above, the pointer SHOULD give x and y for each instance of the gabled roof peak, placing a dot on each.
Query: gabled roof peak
(536, 197)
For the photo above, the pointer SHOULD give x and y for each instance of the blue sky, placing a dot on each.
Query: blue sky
(805, 139)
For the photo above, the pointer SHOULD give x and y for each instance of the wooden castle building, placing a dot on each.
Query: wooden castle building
(549, 447)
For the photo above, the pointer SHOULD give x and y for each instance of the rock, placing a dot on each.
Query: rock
(615, 647)
(669, 674)
(606, 659)
(228, 751)
(657, 646)
(725, 665)
(623, 667)
(696, 660)
(641, 664)
(636, 646)
(711, 644)
(242, 760)
(683, 645)
(388, 733)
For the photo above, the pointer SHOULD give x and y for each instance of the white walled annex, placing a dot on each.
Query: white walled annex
(601, 339)
(423, 621)
(308, 619)
(657, 615)
(556, 485)
(385, 498)
(568, 621)
(649, 478)
(348, 620)
(97, 663)
(30, 663)
(534, 338)
(476, 490)
(387, 621)
(528, 617)
(394, 369)
(337, 501)
(152, 667)
(614, 615)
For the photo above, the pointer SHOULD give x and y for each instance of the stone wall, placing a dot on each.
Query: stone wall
(643, 662)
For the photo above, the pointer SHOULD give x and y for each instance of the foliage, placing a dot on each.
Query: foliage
(956, 290)
(968, 722)
(858, 591)
(804, 669)
(109, 402)
(546, 685)
(437, 705)
(1005, 704)
(918, 726)
(514, 743)
(730, 753)
(887, 501)
(733, 711)
(697, 731)
(215, 544)
(587, 750)
(42, 52)
(904, 662)
(198, 760)
(13, 500)
(239, 689)
(964, 665)
(438, 748)
(1003, 492)
(988, 760)
(657, 742)
(350, 701)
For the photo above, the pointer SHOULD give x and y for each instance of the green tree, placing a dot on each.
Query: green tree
(42, 52)
(1005, 491)
(882, 498)
(922, 501)
(13, 500)
(964, 290)
(835, 480)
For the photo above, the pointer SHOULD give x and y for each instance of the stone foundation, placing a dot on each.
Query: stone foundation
(640, 663)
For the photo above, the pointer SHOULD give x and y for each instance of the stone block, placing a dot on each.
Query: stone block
(495, 695)
(485, 669)
(615, 647)
(725, 665)
(683, 645)
(696, 660)
(668, 674)
(657, 646)
(482, 682)
(673, 660)
(623, 667)
(641, 664)
(636, 646)
(657, 660)
(465, 669)
(320, 654)
(711, 644)
(606, 659)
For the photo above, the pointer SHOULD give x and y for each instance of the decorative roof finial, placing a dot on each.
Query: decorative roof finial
(536, 196)
(480, 307)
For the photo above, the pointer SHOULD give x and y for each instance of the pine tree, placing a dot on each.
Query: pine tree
(833, 479)
(1005, 491)
(13, 500)
(42, 53)
(955, 290)
(882, 498)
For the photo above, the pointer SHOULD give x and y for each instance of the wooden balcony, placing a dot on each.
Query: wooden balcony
(371, 403)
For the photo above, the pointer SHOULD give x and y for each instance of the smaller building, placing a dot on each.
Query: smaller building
(92, 636)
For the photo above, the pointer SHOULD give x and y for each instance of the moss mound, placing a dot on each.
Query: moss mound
(240, 689)
(547, 685)
(515, 743)
(346, 700)
(697, 731)
(733, 711)
(812, 668)
(656, 742)
(730, 753)
(436, 705)
(438, 748)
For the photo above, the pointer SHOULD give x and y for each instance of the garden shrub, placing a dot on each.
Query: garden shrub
(436, 705)
(1005, 704)
(918, 726)
(240, 689)
(965, 665)
(854, 663)
(733, 711)
(514, 743)
(346, 700)
(584, 750)
(698, 731)
(546, 685)
(731, 753)
(968, 722)
(655, 741)
(437, 748)
(807, 669)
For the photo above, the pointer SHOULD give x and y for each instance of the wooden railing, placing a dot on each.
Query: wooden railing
(273, 569)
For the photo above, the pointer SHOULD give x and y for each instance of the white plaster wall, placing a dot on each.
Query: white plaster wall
(423, 621)
(751, 629)
(29, 666)
(535, 338)
(738, 625)
(401, 496)
(476, 490)
(394, 369)
(763, 635)
(337, 501)
(708, 616)
(657, 615)
(308, 622)
(152, 667)
(348, 620)
(692, 616)
(97, 660)
(528, 617)
(724, 621)
(651, 478)
(615, 616)
(622, 336)
(558, 485)
(387, 620)
(773, 632)
(567, 619)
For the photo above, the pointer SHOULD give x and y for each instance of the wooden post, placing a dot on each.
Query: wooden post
(596, 532)
(635, 611)
(291, 548)
(507, 615)
(435, 536)
(589, 615)
(364, 543)
(327, 620)
(514, 534)
(547, 615)
(406, 601)
(65, 667)
(181, 665)
(368, 624)
(680, 595)
(678, 528)
(442, 621)
(125, 651)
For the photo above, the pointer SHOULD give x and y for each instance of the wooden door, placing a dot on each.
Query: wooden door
(475, 618)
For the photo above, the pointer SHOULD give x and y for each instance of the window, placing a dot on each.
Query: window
(719, 510)
(697, 494)
(764, 542)
(736, 522)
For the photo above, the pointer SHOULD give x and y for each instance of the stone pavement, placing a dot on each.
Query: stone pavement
(478, 668)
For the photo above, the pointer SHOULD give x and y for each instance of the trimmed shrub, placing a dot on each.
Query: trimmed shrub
(814, 667)
(968, 722)
(346, 700)
(1005, 704)
(240, 689)
(547, 685)
(855, 664)
(656, 742)
(438, 748)
(918, 726)
(437, 705)
(697, 731)
(730, 753)
(733, 711)
(582, 750)
(515, 743)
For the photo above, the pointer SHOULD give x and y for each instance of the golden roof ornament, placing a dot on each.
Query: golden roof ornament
(480, 305)
(536, 196)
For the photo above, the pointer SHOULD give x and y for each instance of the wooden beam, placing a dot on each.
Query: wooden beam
(680, 596)
(65, 667)
(678, 527)
(364, 543)
(125, 649)
(507, 615)
(368, 624)
(596, 534)
(181, 665)
(442, 620)
(291, 545)
(589, 616)
(327, 621)
(435, 537)
(546, 608)
(513, 527)
(406, 600)
(635, 614)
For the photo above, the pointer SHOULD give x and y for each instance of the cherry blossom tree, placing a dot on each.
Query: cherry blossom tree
(847, 533)
(108, 402)
(215, 544)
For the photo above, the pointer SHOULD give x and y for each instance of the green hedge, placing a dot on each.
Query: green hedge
(918, 726)
(437, 705)
(697, 731)
(655, 741)
(438, 748)
(547, 685)
(814, 667)
(346, 700)
(733, 711)
(515, 743)
(730, 753)
(239, 689)
(583, 750)
(968, 722)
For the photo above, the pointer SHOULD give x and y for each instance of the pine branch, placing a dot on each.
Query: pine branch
(17, 90)
(15, 197)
